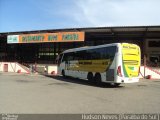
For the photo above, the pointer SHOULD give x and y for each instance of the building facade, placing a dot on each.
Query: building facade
(43, 46)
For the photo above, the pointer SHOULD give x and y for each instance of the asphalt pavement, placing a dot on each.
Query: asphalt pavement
(25, 93)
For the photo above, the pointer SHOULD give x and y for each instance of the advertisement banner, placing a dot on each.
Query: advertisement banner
(46, 37)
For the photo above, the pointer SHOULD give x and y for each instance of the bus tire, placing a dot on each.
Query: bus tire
(63, 73)
(90, 77)
(98, 79)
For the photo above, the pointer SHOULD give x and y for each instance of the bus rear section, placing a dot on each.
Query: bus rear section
(129, 65)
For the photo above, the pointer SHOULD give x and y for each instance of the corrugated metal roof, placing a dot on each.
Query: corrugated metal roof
(93, 29)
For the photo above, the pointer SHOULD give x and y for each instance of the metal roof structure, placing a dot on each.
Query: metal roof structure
(94, 29)
(103, 32)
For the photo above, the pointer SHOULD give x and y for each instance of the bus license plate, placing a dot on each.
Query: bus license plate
(129, 79)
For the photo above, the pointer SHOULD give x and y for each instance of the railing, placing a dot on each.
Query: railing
(152, 64)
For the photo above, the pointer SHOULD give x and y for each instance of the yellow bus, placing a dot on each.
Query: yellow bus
(110, 63)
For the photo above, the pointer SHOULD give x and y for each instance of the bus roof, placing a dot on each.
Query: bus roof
(90, 47)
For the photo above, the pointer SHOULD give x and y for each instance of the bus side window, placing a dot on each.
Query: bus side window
(68, 57)
(112, 51)
(91, 54)
(78, 55)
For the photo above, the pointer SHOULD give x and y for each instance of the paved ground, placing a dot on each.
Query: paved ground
(40, 94)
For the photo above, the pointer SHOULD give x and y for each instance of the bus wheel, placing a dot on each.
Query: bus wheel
(90, 77)
(63, 73)
(97, 79)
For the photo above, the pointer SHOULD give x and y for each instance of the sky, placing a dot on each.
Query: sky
(27, 15)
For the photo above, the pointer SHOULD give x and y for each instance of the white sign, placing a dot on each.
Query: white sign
(13, 39)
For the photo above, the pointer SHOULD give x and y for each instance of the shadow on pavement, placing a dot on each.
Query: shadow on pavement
(82, 82)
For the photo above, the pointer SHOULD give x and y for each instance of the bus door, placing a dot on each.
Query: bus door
(59, 63)
(66, 63)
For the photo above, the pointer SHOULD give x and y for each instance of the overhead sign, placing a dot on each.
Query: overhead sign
(12, 38)
(46, 37)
